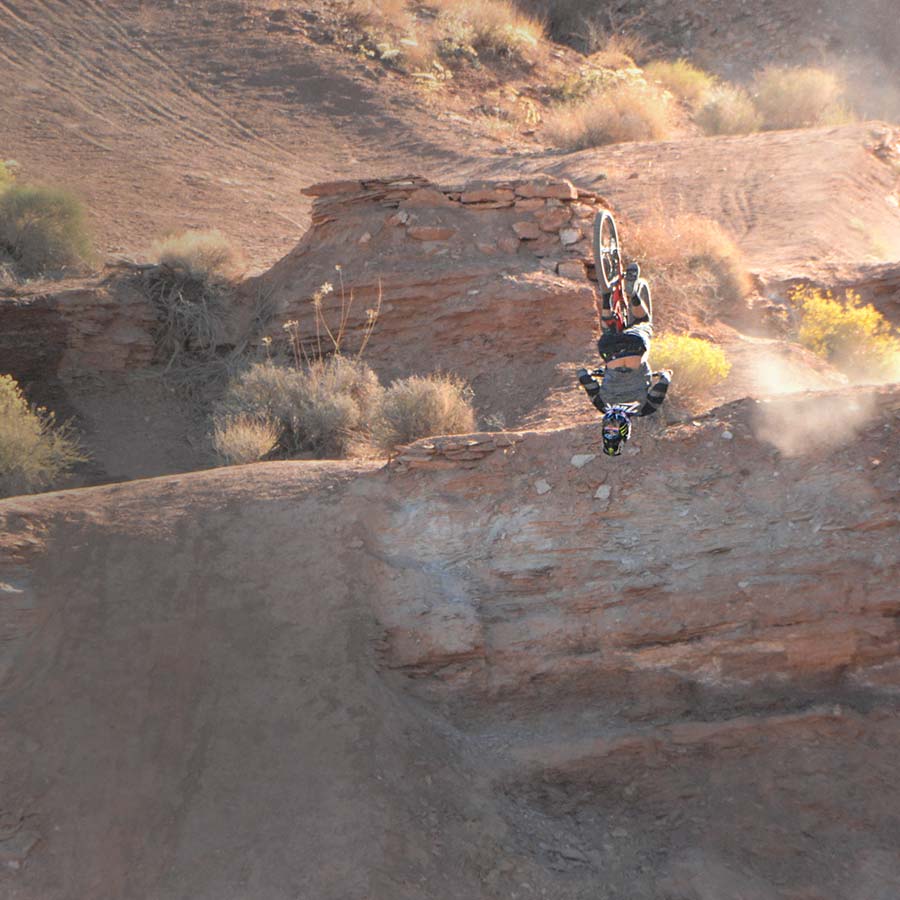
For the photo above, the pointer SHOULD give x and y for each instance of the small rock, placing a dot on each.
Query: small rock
(428, 197)
(582, 459)
(571, 269)
(542, 487)
(401, 217)
(508, 244)
(488, 195)
(365, 238)
(727, 436)
(603, 492)
(570, 236)
(553, 219)
(487, 249)
(530, 205)
(548, 187)
(431, 232)
(527, 231)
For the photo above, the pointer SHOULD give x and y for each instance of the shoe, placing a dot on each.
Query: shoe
(632, 273)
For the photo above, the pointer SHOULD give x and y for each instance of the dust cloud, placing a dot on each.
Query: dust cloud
(810, 423)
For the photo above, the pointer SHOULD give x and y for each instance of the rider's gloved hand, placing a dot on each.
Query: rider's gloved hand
(584, 377)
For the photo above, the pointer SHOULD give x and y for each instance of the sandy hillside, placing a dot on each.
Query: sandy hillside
(498, 665)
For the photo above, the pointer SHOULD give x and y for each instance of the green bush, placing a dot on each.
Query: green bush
(323, 409)
(42, 228)
(728, 110)
(417, 407)
(34, 450)
(697, 365)
(683, 80)
(799, 97)
(855, 338)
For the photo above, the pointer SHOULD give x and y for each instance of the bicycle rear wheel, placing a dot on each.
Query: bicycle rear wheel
(607, 258)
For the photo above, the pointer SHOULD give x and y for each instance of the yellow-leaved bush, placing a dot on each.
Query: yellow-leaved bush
(698, 365)
(851, 335)
(34, 450)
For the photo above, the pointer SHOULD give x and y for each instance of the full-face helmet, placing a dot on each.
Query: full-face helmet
(616, 430)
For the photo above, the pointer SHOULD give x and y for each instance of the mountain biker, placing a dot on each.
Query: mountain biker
(628, 387)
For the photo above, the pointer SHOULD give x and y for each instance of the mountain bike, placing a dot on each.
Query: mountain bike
(610, 269)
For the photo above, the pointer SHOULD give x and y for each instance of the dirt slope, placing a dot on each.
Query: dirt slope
(455, 685)
(795, 201)
(198, 115)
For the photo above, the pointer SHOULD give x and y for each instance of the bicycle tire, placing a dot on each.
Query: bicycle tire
(607, 255)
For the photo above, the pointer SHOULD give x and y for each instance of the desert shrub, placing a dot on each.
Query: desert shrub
(797, 98)
(417, 407)
(496, 27)
(34, 450)
(323, 408)
(728, 110)
(687, 245)
(190, 286)
(628, 111)
(42, 228)
(5, 177)
(682, 79)
(244, 439)
(697, 365)
(202, 255)
(854, 337)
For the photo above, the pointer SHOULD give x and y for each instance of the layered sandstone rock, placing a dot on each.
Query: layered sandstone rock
(490, 279)
(84, 330)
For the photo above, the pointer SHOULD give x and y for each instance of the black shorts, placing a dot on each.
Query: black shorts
(634, 341)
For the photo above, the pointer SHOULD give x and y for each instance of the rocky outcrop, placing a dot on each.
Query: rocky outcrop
(85, 330)
(489, 279)
(739, 562)
(453, 450)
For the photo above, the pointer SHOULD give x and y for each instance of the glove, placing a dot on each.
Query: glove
(585, 378)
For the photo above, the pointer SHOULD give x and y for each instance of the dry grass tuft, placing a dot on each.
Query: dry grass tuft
(42, 229)
(190, 287)
(683, 80)
(244, 439)
(418, 407)
(728, 110)
(799, 98)
(34, 450)
(855, 338)
(493, 27)
(199, 255)
(683, 248)
(697, 366)
(628, 111)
